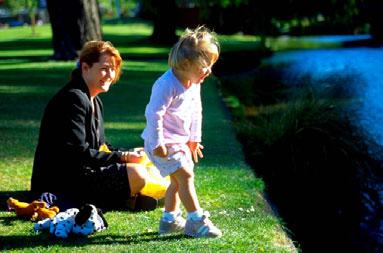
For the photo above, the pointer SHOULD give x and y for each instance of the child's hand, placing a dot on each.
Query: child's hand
(160, 151)
(196, 150)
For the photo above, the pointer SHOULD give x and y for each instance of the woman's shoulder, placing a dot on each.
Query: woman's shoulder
(75, 93)
(70, 94)
(76, 88)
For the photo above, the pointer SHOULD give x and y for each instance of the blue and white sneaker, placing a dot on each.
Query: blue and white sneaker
(202, 228)
(175, 226)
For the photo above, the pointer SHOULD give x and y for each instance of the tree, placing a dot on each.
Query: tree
(32, 9)
(163, 13)
(30, 6)
(73, 23)
(270, 17)
(371, 11)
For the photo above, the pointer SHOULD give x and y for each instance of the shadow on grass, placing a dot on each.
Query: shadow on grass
(9, 222)
(32, 59)
(31, 241)
(20, 195)
(26, 44)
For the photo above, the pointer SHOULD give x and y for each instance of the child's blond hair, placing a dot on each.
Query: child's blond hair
(197, 46)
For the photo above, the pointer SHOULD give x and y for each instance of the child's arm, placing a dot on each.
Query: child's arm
(196, 127)
(160, 100)
(196, 124)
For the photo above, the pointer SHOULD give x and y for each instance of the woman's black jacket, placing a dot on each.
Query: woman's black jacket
(69, 140)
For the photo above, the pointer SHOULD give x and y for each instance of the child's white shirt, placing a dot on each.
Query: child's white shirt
(173, 114)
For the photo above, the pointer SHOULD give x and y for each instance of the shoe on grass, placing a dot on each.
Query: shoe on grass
(202, 228)
(176, 226)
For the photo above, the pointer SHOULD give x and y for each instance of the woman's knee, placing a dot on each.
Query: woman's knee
(137, 176)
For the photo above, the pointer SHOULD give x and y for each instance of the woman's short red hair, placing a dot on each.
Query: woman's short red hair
(92, 51)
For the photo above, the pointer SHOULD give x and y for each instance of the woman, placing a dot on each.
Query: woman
(68, 162)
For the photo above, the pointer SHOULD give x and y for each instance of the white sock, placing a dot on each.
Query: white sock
(196, 215)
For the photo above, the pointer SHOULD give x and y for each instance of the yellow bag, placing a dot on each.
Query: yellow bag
(156, 185)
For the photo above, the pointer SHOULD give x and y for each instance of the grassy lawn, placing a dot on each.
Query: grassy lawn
(225, 184)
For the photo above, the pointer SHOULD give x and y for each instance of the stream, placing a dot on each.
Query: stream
(360, 71)
(361, 66)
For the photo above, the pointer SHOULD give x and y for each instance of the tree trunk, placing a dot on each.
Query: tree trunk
(73, 23)
(91, 26)
(375, 19)
(164, 22)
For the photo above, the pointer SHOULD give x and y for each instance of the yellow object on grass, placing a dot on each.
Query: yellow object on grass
(156, 185)
(104, 148)
(36, 210)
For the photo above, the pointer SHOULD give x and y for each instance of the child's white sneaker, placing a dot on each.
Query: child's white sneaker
(202, 228)
(175, 226)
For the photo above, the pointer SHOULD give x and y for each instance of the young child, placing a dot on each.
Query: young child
(173, 132)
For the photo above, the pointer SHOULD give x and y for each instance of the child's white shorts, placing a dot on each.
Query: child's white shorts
(179, 156)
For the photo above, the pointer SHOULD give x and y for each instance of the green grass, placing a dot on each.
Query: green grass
(226, 185)
(292, 43)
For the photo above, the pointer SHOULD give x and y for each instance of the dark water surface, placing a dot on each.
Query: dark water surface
(361, 67)
(358, 71)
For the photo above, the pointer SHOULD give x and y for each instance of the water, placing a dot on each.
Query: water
(358, 71)
(361, 68)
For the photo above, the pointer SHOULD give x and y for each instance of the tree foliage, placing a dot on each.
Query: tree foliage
(274, 16)
(17, 6)
(271, 17)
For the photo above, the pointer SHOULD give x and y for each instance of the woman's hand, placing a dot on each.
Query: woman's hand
(134, 156)
(196, 150)
(160, 151)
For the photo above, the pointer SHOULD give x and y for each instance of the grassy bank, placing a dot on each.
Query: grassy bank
(225, 184)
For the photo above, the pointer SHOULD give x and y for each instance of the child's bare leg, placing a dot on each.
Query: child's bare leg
(198, 223)
(186, 189)
(172, 200)
(171, 220)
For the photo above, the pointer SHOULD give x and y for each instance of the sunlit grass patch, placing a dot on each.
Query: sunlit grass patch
(292, 42)
(8, 89)
(238, 42)
(137, 66)
(26, 53)
(27, 64)
(144, 50)
(130, 29)
(43, 33)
